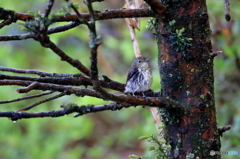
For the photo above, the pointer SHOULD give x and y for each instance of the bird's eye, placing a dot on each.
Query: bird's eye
(139, 61)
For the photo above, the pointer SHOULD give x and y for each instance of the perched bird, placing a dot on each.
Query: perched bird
(139, 76)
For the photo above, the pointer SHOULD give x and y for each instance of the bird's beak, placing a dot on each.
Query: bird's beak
(146, 60)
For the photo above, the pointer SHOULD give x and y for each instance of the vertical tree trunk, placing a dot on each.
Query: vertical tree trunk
(186, 68)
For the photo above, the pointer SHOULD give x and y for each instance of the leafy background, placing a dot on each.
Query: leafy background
(111, 135)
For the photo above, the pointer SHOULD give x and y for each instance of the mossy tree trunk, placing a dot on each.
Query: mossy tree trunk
(186, 68)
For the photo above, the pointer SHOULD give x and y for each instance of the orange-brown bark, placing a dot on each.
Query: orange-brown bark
(187, 77)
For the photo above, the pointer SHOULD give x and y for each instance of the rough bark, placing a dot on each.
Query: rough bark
(187, 77)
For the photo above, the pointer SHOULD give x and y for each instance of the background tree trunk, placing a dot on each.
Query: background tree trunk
(187, 77)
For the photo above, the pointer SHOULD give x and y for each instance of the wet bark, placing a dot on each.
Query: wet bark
(186, 68)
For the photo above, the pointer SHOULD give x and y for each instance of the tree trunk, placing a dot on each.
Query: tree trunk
(186, 68)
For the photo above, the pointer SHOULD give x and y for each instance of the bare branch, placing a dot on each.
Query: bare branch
(32, 35)
(93, 109)
(14, 116)
(73, 80)
(49, 7)
(24, 98)
(156, 6)
(64, 27)
(92, 1)
(109, 14)
(5, 22)
(64, 57)
(94, 43)
(227, 10)
(42, 101)
(17, 37)
(151, 101)
(71, 108)
(30, 71)
(80, 18)
(68, 109)
(113, 14)
(53, 87)
(103, 15)
(213, 54)
(28, 88)
(70, 79)
(223, 129)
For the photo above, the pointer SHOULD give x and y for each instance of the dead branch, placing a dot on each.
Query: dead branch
(52, 87)
(24, 98)
(64, 57)
(94, 43)
(213, 54)
(80, 18)
(103, 15)
(73, 108)
(99, 108)
(5, 22)
(28, 88)
(150, 101)
(92, 1)
(14, 116)
(48, 8)
(67, 79)
(68, 109)
(32, 35)
(227, 10)
(223, 129)
(30, 71)
(42, 101)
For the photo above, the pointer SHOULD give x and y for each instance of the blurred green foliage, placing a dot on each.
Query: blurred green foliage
(111, 135)
(227, 67)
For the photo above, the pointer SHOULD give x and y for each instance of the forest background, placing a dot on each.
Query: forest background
(109, 134)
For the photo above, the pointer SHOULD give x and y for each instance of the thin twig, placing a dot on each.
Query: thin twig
(94, 43)
(49, 7)
(64, 27)
(32, 35)
(30, 71)
(5, 22)
(17, 37)
(213, 54)
(136, 48)
(64, 57)
(99, 108)
(53, 87)
(24, 98)
(92, 1)
(28, 88)
(223, 129)
(14, 116)
(91, 11)
(80, 18)
(227, 10)
(42, 101)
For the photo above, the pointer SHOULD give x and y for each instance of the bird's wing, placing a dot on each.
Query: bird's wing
(131, 73)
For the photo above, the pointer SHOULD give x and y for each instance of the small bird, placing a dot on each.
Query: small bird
(139, 76)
